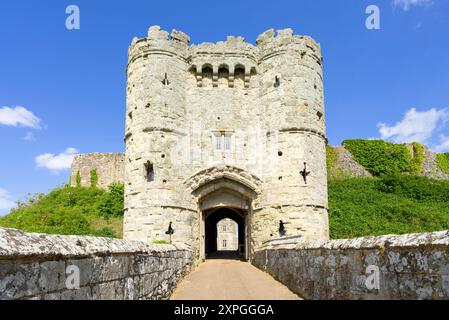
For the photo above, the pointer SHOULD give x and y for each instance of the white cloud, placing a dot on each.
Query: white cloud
(29, 137)
(415, 126)
(6, 202)
(444, 144)
(407, 4)
(56, 162)
(19, 116)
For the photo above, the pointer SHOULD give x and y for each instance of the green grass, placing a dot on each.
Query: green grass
(71, 211)
(388, 205)
(160, 242)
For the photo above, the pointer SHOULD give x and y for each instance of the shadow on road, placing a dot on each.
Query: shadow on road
(224, 255)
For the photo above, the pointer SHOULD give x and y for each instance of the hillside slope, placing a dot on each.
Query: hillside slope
(388, 205)
(71, 211)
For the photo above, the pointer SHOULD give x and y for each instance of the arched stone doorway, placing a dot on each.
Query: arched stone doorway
(211, 219)
(221, 204)
(224, 191)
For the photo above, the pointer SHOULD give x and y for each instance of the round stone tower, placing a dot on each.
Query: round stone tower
(226, 130)
(155, 127)
(295, 176)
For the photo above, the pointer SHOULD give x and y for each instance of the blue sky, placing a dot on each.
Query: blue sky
(63, 92)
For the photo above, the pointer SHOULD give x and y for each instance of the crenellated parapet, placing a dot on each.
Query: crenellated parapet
(159, 42)
(233, 58)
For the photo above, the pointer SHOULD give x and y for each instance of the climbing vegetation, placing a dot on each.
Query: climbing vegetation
(331, 160)
(380, 157)
(93, 178)
(78, 179)
(443, 162)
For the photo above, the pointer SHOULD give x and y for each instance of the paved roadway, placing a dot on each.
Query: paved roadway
(230, 280)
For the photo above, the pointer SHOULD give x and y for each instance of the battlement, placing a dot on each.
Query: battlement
(177, 43)
(233, 59)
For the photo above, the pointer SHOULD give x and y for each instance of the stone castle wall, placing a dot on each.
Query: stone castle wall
(414, 266)
(35, 266)
(264, 102)
(110, 168)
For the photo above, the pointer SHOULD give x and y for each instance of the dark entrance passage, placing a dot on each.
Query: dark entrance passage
(211, 221)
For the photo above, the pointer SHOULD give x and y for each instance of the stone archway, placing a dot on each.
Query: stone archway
(211, 220)
(224, 191)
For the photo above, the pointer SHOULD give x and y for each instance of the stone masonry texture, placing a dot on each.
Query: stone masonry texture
(110, 168)
(411, 267)
(34, 266)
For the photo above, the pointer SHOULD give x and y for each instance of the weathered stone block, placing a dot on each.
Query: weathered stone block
(52, 276)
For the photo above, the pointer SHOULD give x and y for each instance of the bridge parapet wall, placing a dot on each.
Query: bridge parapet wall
(45, 267)
(405, 267)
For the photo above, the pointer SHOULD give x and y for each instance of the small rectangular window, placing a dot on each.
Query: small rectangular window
(225, 243)
(217, 141)
(227, 142)
(223, 141)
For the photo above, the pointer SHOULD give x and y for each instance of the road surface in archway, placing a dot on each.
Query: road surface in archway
(230, 280)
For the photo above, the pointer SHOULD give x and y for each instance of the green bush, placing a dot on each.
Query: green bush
(393, 204)
(113, 201)
(443, 162)
(67, 210)
(380, 157)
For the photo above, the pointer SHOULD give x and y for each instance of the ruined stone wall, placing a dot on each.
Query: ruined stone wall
(431, 169)
(347, 166)
(110, 168)
(414, 266)
(263, 102)
(35, 266)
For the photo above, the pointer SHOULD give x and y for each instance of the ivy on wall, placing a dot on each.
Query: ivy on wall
(93, 178)
(380, 157)
(331, 160)
(78, 179)
(443, 162)
(417, 158)
(333, 170)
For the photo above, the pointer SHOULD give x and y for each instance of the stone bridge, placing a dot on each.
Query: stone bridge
(37, 266)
